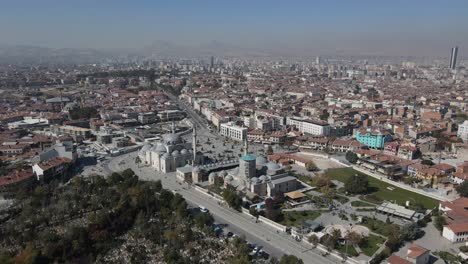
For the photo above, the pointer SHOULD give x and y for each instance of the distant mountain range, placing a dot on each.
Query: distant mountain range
(159, 49)
(33, 54)
(21, 54)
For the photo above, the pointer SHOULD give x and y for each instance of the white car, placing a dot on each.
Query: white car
(203, 209)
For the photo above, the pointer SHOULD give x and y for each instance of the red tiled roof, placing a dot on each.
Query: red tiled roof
(394, 259)
(416, 250)
(16, 176)
(45, 165)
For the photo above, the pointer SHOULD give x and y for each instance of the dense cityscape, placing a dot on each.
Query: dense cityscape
(184, 155)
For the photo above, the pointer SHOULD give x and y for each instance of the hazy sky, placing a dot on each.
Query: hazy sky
(387, 27)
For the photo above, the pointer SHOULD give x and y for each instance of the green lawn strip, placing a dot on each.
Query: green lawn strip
(371, 244)
(376, 226)
(448, 257)
(304, 178)
(361, 204)
(296, 218)
(350, 250)
(379, 189)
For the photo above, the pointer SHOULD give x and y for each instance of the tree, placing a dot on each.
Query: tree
(269, 150)
(232, 198)
(314, 240)
(331, 241)
(310, 166)
(439, 222)
(427, 162)
(138, 161)
(270, 211)
(351, 157)
(83, 113)
(462, 189)
(411, 232)
(290, 259)
(203, 219)
(354, 238)
(357, 184)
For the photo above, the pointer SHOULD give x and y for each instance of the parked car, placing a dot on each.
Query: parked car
(203, 209)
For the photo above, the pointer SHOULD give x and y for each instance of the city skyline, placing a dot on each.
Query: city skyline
(418, 28)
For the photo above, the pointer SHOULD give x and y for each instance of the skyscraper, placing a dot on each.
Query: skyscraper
(453, 58)
(212, 62)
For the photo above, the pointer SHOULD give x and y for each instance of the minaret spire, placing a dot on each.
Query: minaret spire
(194, 144)
(246, 147)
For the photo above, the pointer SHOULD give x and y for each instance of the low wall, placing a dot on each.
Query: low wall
(333, 253)
(401, 185)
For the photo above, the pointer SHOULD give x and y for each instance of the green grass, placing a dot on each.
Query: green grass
(365, 209)
(361, 204)
(350, 250)
(376, 226)
(305, 179)
(379, 189)
(371, 244)
(448, 257)
(341, 199)
(296, 218)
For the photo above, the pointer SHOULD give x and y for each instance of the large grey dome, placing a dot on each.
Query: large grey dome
(145, 147)
(160, 148)
(175, 153)
(272, 166)
(260, 160)
(183, 151)
(172, 139)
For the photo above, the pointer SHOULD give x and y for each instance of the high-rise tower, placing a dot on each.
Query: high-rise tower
(453, 58)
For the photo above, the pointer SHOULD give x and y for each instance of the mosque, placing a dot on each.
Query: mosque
(256, 175)
(173, 152)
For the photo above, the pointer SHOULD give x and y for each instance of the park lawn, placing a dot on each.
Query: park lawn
(305, 179)
(379, 189)
(371, 244)
(350, 250)
(361, 204)
(376, 226)
(296, 218)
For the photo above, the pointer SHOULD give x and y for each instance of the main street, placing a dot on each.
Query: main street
(274, 243)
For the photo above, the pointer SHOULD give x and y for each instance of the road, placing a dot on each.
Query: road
(276, 244)
(197, 120)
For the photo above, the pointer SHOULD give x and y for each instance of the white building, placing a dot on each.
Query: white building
(463, 131)
(311, 127)
(170, 154)
(233, 131)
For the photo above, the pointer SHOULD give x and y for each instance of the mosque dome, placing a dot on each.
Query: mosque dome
(172, 139)
(254, 180)
(228, 178)
(213, 174)
(175, 153)
(262, 178)
(272, 166)
(222, 173)
(260, 160)
(145, 147)
(166, 155)
(183, 151)
(160, 148)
